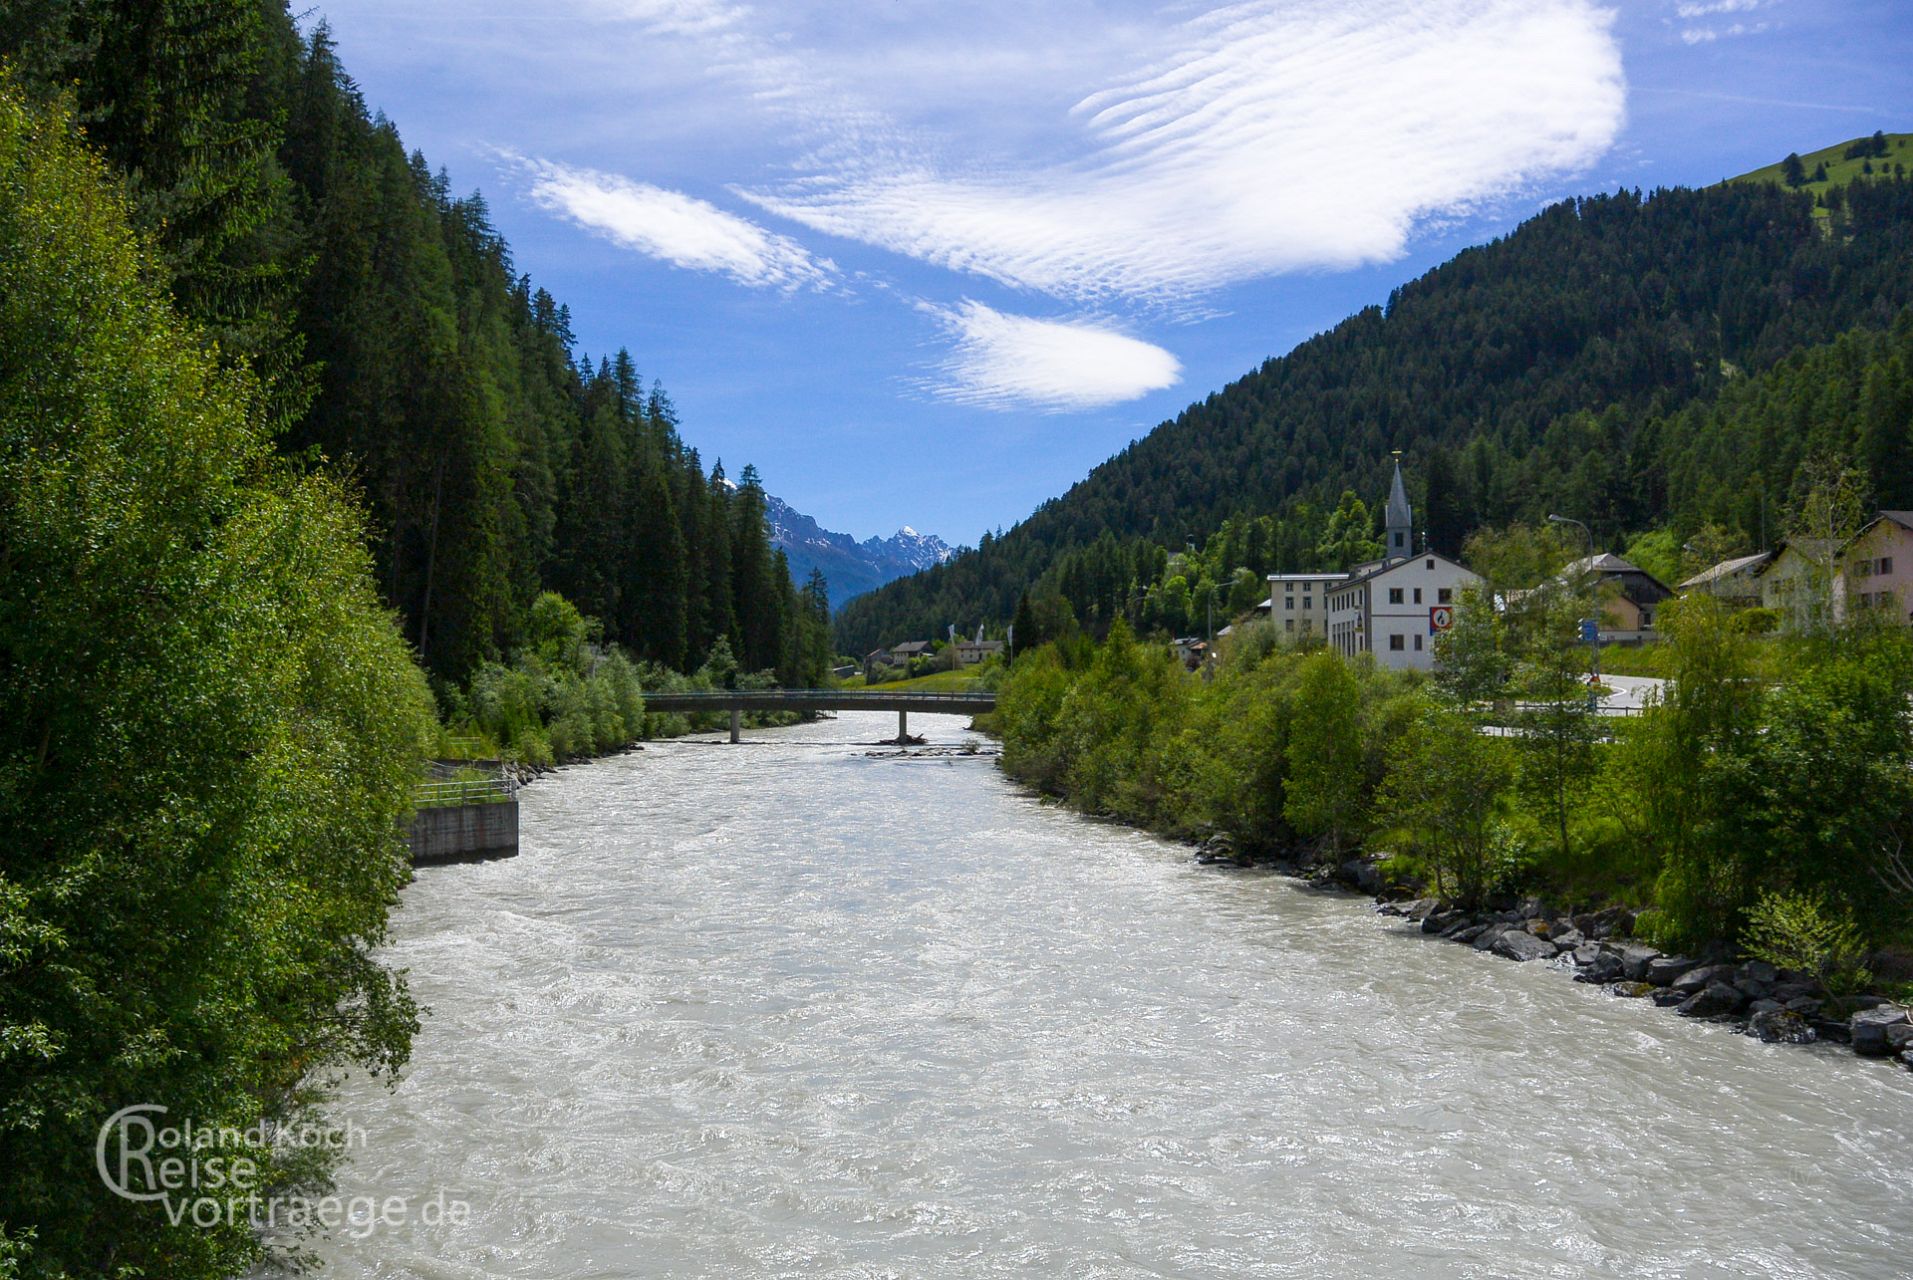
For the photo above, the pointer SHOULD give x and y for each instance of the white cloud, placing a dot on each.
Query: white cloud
(1705, 8)
(675, 17)
(673, 227)
(1692, 10)
(1004, 361)
(1277, 138)
(1707, 35)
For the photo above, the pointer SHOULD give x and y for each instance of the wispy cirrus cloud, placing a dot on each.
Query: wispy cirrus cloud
(674, 227)
(1704, 10)
(1275, 138)
(1003, 361)
(1059, 150)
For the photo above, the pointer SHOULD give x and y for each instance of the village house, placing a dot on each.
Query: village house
(1298, 602)
(967, 653)
(1876, 569)
(894, 663)
(1395, 608)
(1797, 582)
(1735, 582)
(1629, 596)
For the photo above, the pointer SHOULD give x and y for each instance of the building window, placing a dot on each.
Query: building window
(1289, 603)
(1398, 541)
(1308, 602)
(1417, 595)
(1395, 643)
(1886, 564)
(1289, 587)
(1431, 564)
(1394, 595)
(1443, 595)
(1288, 624)
(1418, 644)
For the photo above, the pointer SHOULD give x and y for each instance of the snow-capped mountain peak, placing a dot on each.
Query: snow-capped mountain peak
(850, 566)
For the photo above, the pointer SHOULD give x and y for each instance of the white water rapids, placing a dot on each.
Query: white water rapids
(785, 1009)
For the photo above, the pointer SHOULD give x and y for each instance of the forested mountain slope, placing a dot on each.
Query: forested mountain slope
(1515, 377)
(399, 344)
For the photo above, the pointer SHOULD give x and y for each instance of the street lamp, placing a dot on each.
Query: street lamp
(1590, 631)
(1584, 533)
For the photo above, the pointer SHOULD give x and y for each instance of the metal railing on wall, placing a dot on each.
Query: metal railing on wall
(492, 789)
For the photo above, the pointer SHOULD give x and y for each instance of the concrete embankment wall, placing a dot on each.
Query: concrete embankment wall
(464, 833)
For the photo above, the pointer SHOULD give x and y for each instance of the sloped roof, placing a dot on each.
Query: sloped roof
(1728, 568)
(1377, 569)
(1817, 550)
(1606, 562)
(1902, 518)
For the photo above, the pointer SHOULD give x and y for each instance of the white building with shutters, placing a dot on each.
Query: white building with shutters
(1396, 608)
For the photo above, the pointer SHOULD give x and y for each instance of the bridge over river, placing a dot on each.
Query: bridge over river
(738, 701)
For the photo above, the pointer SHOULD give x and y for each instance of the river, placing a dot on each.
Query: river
(787, 1009)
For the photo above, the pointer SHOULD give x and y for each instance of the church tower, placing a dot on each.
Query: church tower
(1400, 518)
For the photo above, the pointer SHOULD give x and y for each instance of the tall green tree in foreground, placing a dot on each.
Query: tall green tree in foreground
(208, 738)
(1325, 753)
(1442, 792)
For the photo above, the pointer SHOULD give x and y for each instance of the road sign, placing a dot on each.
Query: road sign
(1590, 631)
(1440, 618)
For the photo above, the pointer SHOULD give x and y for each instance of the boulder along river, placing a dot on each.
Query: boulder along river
(794, 1008)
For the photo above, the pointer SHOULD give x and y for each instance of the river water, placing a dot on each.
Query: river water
(786, 1009)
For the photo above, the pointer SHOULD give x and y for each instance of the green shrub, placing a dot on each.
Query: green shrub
(1810, 935)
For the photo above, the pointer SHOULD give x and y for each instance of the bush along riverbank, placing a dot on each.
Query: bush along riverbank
(565, 696)
(1735, 852)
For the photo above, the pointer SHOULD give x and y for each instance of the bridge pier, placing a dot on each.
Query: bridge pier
(737, 725)
(903, 728)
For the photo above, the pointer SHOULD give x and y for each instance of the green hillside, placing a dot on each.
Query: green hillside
(1546, 371)
(1856, 160)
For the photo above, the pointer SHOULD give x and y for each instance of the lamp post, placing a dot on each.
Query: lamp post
(1590, 631)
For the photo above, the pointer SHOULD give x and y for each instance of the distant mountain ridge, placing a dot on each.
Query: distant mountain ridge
(850, 566)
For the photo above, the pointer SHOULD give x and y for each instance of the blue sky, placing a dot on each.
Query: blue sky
(927, 263)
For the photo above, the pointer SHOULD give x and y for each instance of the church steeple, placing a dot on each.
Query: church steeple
(1399, 518)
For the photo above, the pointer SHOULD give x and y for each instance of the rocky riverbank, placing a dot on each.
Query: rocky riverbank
(1778, 1006)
